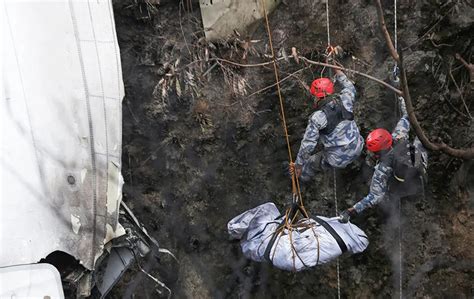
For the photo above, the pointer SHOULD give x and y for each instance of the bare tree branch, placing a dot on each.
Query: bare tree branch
(460, 91)
(469, 67)
(386, 35)
(281, 80)
(399, 92)
(352, 71)
(467, 153)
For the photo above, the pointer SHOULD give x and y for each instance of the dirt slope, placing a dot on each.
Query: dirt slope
(197, 154)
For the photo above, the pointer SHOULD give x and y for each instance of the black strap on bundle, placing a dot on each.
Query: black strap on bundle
(266, 255)
(333, 233)
(294, 208)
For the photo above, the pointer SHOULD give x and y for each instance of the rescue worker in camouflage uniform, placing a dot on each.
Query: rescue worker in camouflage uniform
(333, 124)
(379, 143)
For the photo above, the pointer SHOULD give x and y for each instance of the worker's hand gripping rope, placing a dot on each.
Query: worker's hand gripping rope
(295, 169)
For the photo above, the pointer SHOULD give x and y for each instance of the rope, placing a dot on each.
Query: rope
(327, 22)
(297, 198)
(337, 260)
(400, 246)
(395, 24)
(395, 39)
(294, 179)
(328, 48)
(334, 170)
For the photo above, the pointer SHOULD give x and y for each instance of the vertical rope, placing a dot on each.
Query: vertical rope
(337, 210)
(395, 24)
(400, 246)
(327, 22)
(335, 190)
(334, 170)
(329, 36)
(395, 39)
(295, 182)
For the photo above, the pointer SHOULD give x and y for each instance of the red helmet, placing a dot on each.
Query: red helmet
(322, 87)
(378, 140)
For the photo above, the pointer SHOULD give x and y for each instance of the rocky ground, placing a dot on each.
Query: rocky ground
(200, 146)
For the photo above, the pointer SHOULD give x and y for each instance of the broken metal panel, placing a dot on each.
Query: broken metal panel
(221, 17)
(117, 263)
(60, 174)
(30, 281)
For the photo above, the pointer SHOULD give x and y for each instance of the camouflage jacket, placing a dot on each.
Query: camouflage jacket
(383, 169)
(344, 144)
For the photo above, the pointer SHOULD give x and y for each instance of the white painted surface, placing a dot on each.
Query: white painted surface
(60, 128)
(30, 281)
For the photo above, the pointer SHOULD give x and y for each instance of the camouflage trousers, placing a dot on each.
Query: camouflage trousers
(316, 163)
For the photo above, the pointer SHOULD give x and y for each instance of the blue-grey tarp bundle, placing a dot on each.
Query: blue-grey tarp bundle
(311, 244)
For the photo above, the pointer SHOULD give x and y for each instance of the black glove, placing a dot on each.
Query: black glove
(346, 215)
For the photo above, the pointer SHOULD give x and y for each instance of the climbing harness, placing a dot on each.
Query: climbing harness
(334, 114)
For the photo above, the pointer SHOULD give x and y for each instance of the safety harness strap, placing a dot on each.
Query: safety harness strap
(335, 113)
(333, 233)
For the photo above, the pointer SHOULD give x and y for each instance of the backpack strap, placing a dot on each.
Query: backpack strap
(407, 161)
(334, 114)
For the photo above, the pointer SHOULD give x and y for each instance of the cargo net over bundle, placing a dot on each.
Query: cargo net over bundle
(267, 235)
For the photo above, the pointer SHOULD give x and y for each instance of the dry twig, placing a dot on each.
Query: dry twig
(282, 80)
(182, 30)
(354, 72)
(429, 30)
(459, 91)
(469, 67)
(467, 153)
